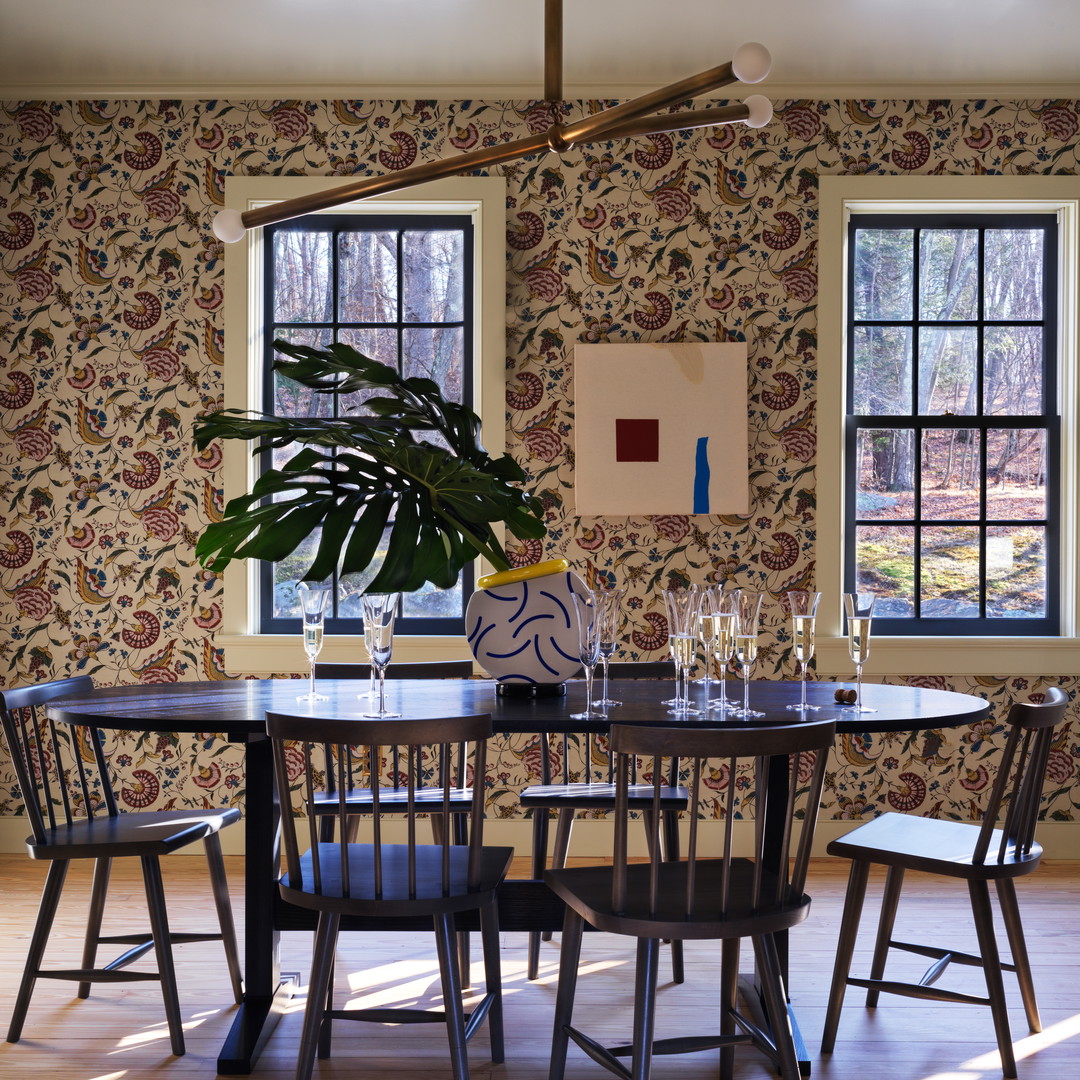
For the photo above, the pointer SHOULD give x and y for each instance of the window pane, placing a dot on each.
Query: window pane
(881, 384)
(302, 276)
(367, 276)
(1016, 475)
(949, 274)
(434, 280)
(950, 572)
(1013, 371)
(286, 575)
(429, 602)
(951, 473)
(1016, 572)
(885, 565)
(1014, 274)
(380, 344)
(290, 398)
(947, 370)
(883, 273)
(436, 353)
(885, 473)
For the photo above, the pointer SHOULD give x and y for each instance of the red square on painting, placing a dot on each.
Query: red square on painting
(637, 440)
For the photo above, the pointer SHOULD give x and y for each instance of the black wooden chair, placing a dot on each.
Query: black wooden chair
(596, 793)
(978, 854)
(385, 881)
(723, 898)
(72, 812)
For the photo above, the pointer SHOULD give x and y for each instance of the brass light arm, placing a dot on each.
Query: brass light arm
(682, 121)
(553, 50)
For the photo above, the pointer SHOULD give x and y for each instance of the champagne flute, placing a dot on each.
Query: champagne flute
(708, 631)
(610, 599)
(859, 609)
(727, 607)
(587, 607)
(313, 596)
(803, 606)
(682, 612)
(380, 610)
(746, 635)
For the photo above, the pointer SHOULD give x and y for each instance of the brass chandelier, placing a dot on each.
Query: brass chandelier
(639, 116)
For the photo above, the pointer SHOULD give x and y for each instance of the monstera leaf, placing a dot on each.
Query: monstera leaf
(355, 476)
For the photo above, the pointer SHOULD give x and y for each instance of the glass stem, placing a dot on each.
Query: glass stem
(858, 686)
(382, 690)
(311, 683)
(746, 688)
(588, 687)
(802, 694)
(708, 677)
(723, 688)
(604, 661)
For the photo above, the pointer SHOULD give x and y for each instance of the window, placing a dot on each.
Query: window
(251, 640)
(952, 464)
(984, 644)
(396, 288)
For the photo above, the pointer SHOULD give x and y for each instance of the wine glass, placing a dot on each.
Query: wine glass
(725, 610)
(708, 633)
(746, 635)
(313, 596)
(380, 610)
(588, 606)
(682, 612)
(803, 606)
(859, 609)
(610, 599)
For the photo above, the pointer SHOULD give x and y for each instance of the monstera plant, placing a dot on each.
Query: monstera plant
(355, 476)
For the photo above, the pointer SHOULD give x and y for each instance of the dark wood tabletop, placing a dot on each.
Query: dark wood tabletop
(237, 707)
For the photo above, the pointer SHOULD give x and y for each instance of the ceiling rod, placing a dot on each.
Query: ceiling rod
(631, 118)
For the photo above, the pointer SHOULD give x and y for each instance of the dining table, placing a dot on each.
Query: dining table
(236, 709)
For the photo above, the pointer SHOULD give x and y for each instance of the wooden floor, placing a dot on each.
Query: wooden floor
(120, 1033)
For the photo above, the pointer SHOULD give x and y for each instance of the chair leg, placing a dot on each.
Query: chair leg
(890, 900)
(1006, 891)
(50, 897)
(564, 826)
(729, 999)
(569, 958)
(648, 963)
(159, 926)
(98, 892)
(453, 1006)
(539, 861)
(326, 1027)
(845, 947)
(670, 829)
(991, 963)
(322, 970)
(220, 887)
(489, 937)
(460, 835)
(772, 985)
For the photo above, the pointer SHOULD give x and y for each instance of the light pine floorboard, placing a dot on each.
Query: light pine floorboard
(119, 1032)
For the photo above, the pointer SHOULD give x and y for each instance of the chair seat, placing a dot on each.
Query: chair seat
(430, 898)
(934, 845)
(360, 801)
(601, 796)
(148, 832)
(587, 889)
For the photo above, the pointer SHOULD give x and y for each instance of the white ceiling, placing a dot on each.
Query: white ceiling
(494, 48)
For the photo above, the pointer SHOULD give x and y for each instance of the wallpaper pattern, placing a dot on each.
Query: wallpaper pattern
(112, 339)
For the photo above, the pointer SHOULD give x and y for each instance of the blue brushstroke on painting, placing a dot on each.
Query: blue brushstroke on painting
(701, 476)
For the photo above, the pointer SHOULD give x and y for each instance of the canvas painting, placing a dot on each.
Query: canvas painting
(661, 429)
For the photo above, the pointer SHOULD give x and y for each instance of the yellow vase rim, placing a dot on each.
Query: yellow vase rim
(523, 573)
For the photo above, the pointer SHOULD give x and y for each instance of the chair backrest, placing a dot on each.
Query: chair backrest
(1020, 776)
(427, 750)
(61, 769)
(426, 669)
(775, 879)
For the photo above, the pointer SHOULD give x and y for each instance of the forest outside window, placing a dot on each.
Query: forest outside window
(952, 457)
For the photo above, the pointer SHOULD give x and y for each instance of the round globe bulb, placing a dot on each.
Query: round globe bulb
(229, 226)
(751, 62)
(761, 110)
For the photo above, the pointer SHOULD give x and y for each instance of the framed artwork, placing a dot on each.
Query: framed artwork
(661, 429)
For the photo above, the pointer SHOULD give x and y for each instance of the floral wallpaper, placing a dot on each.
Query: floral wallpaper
(112, 339)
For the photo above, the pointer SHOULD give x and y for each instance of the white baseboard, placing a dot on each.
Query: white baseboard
(1060, 840)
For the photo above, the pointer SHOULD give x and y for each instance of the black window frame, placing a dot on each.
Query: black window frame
(920, 625)
(358, 223)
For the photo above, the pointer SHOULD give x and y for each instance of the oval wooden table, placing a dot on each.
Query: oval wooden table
(236, 709)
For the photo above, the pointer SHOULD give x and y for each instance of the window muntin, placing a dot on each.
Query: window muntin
(952, 434)
(399, 289)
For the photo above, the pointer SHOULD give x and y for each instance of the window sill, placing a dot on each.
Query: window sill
(1002, 657)
(272, 654)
